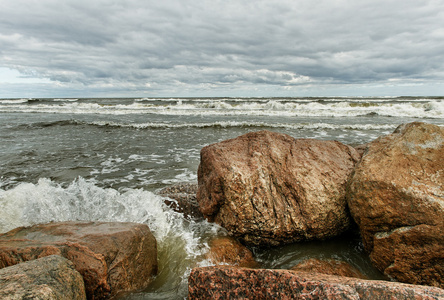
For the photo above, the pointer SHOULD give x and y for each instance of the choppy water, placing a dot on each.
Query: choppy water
(104, 159)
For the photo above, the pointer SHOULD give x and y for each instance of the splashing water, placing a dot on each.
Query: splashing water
(182, 243)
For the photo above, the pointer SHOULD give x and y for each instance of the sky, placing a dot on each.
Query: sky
(200, 48)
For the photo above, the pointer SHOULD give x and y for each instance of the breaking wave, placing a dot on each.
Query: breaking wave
(308, 107)
(181, 242)
(217, 124)
(242, 124)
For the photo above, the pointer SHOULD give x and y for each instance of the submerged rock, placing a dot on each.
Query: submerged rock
(111, 257)
(396, 196)
(224, 282)
(51, 277)
(329, 267)
(184, 200)
(268, 188)
(228, 251)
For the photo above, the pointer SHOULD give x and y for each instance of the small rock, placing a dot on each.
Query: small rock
(51, 277)
(329, 267)
(228, 251)
(184, 200)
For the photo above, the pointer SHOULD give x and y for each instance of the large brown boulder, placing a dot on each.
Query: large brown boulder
(329, 266)
(396, 196)
(268, 188)
(224, 282)
(51, 277)
(111, 257)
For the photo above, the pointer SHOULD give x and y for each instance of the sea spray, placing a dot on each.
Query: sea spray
(182, 242)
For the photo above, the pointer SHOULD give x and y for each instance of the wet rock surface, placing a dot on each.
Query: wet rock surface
(111, 257)
(269, 189)
(184, 200)
(360, 149)
(329, 267)
(228, 251)
(396, 196)
(223, 282)
(51, 277)
(411, 254)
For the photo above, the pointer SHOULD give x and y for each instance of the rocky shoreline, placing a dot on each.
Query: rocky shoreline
(111, 258)
(268, 189)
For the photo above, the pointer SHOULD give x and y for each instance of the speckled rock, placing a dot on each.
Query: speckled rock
(182, 198)
(329, 267)
(111, 257)
(396, 196)
(240, 283)
(268, 188)
(228, 251)
(51, 277)
(360, 149)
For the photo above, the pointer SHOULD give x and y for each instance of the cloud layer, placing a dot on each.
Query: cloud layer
(203, 47)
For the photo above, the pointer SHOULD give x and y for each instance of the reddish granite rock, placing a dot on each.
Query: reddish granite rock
(411, 254)
(111, 257)
(268, 188)
(229, 251)
(224, 282)
(329, 267)
(184, 200)
(50, 277)
(361, 149)
(396, 196)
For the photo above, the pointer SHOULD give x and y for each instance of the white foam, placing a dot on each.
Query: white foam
(185, 176)
(181, 243)
(230, 124)
(13, 101)
(111, 165)
(28, 204)
(429, 108)
(65, 100)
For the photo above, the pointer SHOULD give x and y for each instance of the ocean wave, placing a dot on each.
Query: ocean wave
(217, 124)
(50, 124)
(29, 204)
(418, 108)
(13, 101)
(65, 100)
(244, 124)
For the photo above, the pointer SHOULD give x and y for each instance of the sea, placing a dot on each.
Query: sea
(105, 159)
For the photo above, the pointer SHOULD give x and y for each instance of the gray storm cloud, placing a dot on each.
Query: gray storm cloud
(184, 45)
